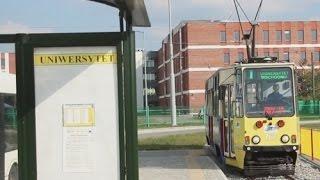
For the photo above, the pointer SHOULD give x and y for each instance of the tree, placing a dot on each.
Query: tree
(304, 87)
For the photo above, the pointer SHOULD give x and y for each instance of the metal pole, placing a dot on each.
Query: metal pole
(172, 78)
(2, 138)
(313, 84)
(253, 40)
(145, 83)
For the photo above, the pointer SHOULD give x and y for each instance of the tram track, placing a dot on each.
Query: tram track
(290, 177)
(305, 169)
(310, 162)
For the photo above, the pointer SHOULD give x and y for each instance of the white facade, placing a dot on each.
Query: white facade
(7, 80)
(139, 78)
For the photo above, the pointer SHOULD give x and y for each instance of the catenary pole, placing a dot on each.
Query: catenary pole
(145, 77)
(172, 78)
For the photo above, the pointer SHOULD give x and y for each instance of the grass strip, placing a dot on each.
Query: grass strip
(173, 142)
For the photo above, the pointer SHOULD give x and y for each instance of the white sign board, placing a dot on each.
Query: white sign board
(77, 131)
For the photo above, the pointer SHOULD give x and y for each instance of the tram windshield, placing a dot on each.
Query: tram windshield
(268, 92)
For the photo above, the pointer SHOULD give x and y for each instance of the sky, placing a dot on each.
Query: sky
(49, 16)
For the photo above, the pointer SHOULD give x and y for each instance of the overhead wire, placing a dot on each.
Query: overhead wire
(228, 19)
(238, 15)
(244, 13)
(258, 12)
(228, 15)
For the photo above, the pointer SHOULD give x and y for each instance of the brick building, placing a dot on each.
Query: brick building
(7, 62)
(201, 47)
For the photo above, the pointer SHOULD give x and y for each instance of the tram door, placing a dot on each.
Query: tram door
(227, 122)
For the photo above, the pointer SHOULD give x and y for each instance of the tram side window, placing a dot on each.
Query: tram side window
(225, 103)
(216, 96)
(212, 103)
(209, 103)
(215, 103)
(231, 96)
(239, 97)
(221, 97)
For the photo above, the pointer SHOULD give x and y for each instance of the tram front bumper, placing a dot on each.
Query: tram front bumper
(270, 160)
(286, 148)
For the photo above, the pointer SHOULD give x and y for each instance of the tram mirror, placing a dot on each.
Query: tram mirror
(222, 90)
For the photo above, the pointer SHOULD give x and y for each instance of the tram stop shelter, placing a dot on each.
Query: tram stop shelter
(76, 102)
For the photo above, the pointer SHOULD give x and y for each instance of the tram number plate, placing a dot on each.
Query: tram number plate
(271, 128)
(270, 132)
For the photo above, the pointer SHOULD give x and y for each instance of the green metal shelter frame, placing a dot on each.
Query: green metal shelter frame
(25, 44)
(135, 14)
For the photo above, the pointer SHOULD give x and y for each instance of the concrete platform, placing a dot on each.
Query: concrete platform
(178, 165)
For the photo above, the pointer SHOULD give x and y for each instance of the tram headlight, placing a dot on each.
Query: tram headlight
(285, 138)
(259, 124)
(255, 139)
(280, 123)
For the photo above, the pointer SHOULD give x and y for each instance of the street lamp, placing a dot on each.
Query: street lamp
(172, 78)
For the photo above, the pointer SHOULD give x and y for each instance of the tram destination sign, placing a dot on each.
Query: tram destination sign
(75, 59)
(274, 75)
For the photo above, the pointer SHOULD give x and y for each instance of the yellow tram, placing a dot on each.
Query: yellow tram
(252, 121)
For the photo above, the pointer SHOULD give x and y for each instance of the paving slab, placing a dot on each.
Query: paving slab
(178, 165)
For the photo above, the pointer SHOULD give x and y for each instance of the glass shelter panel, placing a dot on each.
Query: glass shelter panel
(83, 141)
(268, 92)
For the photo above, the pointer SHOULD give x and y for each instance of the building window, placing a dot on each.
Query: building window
(3, 63)
(150, 63)
(314, 35)
(303, 56)
(287, 35)
(240, 56)
(266, 36)
(223, 36)
(236, 36)
(286, 56)
(316, 56)
(150, 77)
(300, 35)
(279, 36)
(226, 59)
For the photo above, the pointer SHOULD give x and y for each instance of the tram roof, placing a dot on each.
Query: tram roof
(263, 64)
(285, 64)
